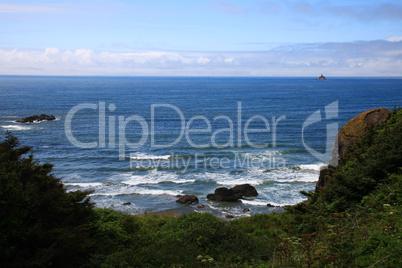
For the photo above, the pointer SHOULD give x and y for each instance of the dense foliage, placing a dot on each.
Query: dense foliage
(354, 221)
(40, 223)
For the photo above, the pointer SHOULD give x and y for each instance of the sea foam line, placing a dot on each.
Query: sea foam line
(138, 156)
(138, 191)
(17, 127)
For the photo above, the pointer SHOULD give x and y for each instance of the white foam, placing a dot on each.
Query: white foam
(289, 175)
(152, 177)
(17, 127)
(136, 190)
(137, 180)
(316, 167)
(237, 181)
(282, 204)
(263, 154)
(254, 202)
(84, 184)
(140, 156)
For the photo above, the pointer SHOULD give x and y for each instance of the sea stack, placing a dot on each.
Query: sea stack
(321, 78)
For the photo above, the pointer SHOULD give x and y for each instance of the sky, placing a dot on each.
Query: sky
(201, 38)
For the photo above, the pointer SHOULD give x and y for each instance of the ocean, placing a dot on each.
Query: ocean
(146, 140)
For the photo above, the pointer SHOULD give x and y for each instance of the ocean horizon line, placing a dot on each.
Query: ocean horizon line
(200, 76)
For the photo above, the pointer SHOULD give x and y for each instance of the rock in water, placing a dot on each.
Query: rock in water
(321, 78)
(354, 129)
(188, 199)
(225, 194)
(246, 190)
(36, 118)
(233, 194)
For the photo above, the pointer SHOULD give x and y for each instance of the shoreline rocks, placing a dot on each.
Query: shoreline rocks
(233, 194)
(187, 199)
(270, 205)
(36, 118)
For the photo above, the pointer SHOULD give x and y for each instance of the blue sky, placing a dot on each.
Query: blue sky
(200, 37)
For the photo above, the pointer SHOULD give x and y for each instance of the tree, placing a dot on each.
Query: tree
(40, 222)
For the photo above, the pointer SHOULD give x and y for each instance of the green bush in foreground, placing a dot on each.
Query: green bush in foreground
(40, 223)
(355, 221)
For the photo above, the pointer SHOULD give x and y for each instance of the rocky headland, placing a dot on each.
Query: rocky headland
(351, 132)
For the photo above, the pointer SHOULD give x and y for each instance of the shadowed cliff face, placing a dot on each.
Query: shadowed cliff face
(351, 132)
(354, 129)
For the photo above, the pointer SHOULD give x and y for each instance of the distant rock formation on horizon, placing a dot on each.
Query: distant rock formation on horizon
(321, 78)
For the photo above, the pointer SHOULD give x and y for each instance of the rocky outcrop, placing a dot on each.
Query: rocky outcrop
(224, 194)
(321, 78)
(233, 194)
(36, 118)
(246, 190)
(351, 132)
(354, 129)
(187, 199)
(323, 178)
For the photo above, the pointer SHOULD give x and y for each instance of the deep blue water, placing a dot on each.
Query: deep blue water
(210, 151)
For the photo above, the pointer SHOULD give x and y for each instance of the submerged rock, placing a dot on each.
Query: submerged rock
(187, 199)
(272, 206)
(36, 118)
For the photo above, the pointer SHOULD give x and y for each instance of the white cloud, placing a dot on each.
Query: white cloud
(370, 58)
(203, 60)
(394, 39)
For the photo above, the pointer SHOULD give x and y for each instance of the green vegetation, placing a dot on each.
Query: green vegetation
(354, 221)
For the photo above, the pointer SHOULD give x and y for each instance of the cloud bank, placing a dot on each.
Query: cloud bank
(365, 58)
